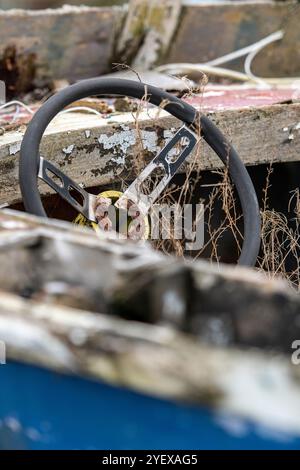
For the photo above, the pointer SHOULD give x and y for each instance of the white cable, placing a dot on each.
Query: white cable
(16, 103)
(211, 66)
(265, 42)
(182, 68)
(19, 104)
(80, 108)
(257, 46)
(16, 115)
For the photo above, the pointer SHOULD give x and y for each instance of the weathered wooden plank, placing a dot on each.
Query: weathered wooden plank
(36, 43)
(70, 42)
(225, 306)
(96, 151)
(64, 268)
(210, 30)
(147, 32)
(153, 360)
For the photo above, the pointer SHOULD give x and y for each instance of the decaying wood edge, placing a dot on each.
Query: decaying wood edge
(219, 305)
(152, 360)
(95, 151)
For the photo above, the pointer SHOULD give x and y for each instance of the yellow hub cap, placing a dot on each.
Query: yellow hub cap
(112, 197)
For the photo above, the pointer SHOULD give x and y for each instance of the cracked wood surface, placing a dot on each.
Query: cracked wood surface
(59, 264)
(95, 151)
(53, 327)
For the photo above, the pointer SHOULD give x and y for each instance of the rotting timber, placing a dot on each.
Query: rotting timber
(61, 310)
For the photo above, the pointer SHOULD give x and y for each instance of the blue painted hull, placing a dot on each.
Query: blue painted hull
(40, 409)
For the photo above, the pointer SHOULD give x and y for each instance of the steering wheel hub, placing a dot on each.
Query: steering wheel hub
(129, 223)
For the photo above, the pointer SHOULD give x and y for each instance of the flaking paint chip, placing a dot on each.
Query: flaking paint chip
(69, 150)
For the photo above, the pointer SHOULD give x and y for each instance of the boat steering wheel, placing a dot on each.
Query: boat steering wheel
(33, 166)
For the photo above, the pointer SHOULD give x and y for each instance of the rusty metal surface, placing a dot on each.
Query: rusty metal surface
(70, 42)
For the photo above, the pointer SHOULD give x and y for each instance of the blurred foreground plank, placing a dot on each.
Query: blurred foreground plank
(61, 264)
(61, 271)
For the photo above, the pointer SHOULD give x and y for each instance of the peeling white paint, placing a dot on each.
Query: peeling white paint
(14, 148)
(291, 129)
(149, 139)
(120, 141)
(119, 160)
(69, 150)
(169, 133)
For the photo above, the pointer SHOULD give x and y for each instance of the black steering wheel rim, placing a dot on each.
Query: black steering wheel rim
(30, 154)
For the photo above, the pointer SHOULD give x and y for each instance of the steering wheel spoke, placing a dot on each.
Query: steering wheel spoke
(70, 191)
(170, 159)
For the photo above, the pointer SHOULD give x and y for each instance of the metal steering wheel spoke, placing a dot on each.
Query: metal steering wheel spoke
(169, 161)
(67, 189)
